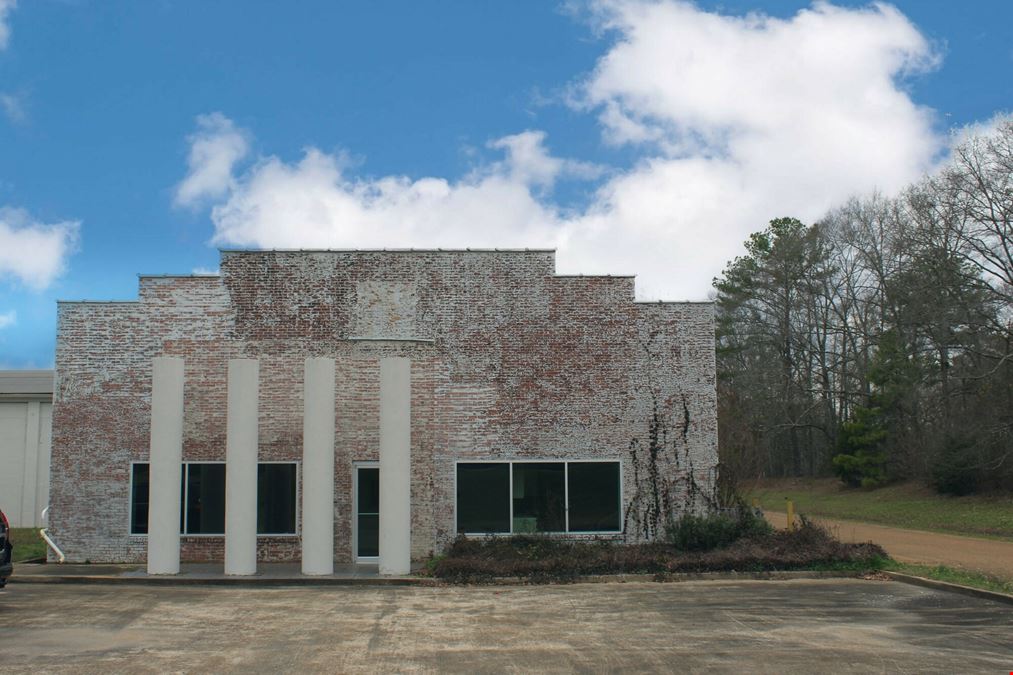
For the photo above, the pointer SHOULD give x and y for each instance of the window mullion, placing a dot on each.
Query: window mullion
(619, 507)
(566, 497)
(510, 530)
(186, 497)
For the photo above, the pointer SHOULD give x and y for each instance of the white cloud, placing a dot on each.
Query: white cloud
(313, 203)
(32, 252)
(736, 120)
(6, 7)
(13, 106)
(989, 127)
(8, 319)
(215, 148)
(743, 119)
(528, 162)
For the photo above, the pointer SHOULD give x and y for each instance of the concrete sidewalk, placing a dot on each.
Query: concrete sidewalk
(277, 574)
(280, 575)
(289, 574)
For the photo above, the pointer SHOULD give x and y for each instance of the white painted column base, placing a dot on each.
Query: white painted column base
(318, 467)
(395, 466)
(241, 468)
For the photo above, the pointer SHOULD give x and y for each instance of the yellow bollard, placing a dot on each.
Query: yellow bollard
(791, 515)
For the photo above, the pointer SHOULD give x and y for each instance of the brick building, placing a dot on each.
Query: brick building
(437, 392)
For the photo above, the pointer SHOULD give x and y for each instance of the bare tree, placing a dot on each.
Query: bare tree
(804, 314)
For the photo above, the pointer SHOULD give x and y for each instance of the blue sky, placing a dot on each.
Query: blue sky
(137, 137)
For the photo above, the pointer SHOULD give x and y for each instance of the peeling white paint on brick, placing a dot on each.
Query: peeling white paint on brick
(522, 364)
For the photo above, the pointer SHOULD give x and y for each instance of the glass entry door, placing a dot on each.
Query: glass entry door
(367, 512)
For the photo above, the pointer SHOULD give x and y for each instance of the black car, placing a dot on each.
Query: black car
(6, 566)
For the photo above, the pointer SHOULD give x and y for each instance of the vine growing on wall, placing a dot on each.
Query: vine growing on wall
(664, 478)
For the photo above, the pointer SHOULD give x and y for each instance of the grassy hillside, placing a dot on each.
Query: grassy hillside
(905, 505)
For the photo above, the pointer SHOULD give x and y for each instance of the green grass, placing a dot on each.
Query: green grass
(870, 565)
(28, 544)
(938, 572)
(905, 505)
(953, 576)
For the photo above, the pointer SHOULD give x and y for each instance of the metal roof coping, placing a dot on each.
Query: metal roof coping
(386, 250)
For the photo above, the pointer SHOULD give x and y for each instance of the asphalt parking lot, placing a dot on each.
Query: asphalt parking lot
(837, 625)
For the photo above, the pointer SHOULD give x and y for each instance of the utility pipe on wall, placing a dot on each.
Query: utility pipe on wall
(44, 533)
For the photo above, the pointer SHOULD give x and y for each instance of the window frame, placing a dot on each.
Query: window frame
(510, 492)
(298, 499)
(185, 471)
(130, 497)
(185, 506)
(566, 495)
(356, 465)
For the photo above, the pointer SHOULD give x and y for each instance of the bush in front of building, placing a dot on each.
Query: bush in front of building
(715, 530)
(541, 559)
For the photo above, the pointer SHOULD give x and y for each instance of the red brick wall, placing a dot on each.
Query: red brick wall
(509, 361)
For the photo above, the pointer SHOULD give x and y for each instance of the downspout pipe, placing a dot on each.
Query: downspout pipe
(49, 542)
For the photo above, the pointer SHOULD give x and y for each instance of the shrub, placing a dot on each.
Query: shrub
(706, 533)
(540, 559)
(954, 471)
(701, 533)
(861, 469)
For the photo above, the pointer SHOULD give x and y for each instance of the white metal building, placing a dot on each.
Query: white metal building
(26, 417)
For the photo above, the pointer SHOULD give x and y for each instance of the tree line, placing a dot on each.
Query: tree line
(877, 343)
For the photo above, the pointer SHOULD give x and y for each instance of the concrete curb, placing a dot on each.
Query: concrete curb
(276, 582)
(952, 588)
(251, 581)
(663, 577)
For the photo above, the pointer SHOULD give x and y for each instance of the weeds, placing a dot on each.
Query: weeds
(954, 576)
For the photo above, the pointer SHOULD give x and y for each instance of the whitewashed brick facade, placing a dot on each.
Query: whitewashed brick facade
(509, 361)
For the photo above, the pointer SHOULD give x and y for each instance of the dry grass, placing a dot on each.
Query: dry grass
(906, 505)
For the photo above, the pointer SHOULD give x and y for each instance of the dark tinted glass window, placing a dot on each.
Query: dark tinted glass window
(140, 489)
(139, 499)
(594, 496)
(483, 498)
(276, 502)
(205, 499)
(539, 497)
(368, 509)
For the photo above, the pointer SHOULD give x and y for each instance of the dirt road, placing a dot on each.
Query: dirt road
(926, 548)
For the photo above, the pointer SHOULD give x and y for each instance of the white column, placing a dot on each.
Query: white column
(165, 465)
(318, 467)
(395, 466)
(241, 467)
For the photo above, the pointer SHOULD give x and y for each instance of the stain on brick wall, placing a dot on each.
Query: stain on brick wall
(509, 361)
